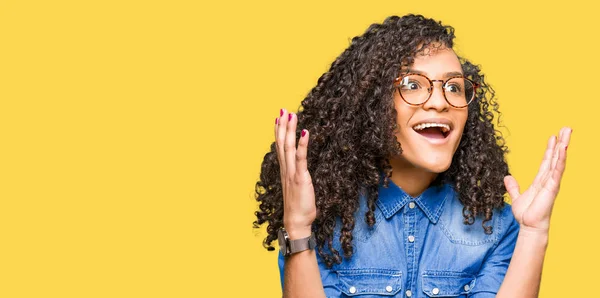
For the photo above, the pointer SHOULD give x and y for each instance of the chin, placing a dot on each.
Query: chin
(438, 166)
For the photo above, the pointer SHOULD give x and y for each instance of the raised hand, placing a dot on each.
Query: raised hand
(533, 207)
(299, 210)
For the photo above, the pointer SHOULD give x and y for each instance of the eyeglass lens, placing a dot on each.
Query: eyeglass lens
(416, 89)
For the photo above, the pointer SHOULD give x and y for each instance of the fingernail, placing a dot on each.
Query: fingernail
(276, 120)
(566, 147)
(303, 132)
(280, 112)
(290, 116)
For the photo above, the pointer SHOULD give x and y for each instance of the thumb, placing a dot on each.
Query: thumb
(512, 187)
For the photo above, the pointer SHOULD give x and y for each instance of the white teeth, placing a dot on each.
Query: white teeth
(445, 127)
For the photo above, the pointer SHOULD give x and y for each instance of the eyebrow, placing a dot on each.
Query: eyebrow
(446, 75)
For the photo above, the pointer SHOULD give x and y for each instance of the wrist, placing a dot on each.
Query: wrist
(297, 228)
(298, 232)
(534, 235)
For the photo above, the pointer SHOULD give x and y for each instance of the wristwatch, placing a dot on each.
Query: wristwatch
(289, 247)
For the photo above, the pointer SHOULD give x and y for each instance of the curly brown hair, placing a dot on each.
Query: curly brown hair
(351, 117)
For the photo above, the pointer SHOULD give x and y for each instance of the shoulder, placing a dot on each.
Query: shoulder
(452, 223)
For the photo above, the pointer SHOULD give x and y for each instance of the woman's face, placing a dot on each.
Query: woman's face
(431, 149)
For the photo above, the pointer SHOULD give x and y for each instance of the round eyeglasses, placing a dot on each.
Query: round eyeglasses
(415, 89)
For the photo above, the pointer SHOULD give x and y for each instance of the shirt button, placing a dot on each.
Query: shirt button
(411, 205)
(435, 291)
(408, 293)
(467, 287)
(388, 288)
(411, 238)
(352, 290)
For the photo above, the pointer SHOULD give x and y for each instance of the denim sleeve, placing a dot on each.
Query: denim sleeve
(495, 266)
(280, 261)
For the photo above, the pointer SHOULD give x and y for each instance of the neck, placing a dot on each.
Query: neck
(414, 181)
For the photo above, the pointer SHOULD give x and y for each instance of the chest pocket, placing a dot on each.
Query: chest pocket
(369, 282)
(447, 283)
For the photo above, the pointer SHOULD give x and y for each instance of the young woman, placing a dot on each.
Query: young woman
(399, 177)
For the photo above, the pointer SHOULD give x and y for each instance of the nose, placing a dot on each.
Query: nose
(436, 101)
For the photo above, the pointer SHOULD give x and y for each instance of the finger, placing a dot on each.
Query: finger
(545, 166)
(566, 137)
(555, 157)
(280, 140)
(559, 170)
(275, 127)
(290, 144)
(551, 185)
(556, 148)
(512, 187)
(548, 193)
(301, 153)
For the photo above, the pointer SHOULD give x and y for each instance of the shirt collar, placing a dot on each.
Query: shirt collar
(431, 201)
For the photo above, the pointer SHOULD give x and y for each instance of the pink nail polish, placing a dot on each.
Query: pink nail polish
(280, 112)
(276, 120)
(303, 132)
(290, 116)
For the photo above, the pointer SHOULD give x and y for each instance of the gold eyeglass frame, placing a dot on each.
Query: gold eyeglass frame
(430, 89)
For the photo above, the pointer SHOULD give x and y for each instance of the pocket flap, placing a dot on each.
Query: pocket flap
(447, 283)
(354, 282)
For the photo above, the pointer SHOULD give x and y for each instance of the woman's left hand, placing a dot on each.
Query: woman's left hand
(533, 208)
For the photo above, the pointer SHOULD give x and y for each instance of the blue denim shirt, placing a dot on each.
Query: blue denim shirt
(420, 247)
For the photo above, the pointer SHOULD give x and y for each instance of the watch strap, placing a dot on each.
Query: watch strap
(303, 244)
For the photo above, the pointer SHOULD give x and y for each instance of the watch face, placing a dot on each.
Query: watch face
(282, 241)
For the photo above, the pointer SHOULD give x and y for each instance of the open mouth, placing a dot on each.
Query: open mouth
(433, 130)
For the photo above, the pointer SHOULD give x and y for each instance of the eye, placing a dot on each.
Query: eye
(454, 88)
(410, 85)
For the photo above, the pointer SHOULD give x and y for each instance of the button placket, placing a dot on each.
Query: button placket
(411, 218)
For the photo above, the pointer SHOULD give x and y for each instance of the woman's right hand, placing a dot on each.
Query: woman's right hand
(299, 209)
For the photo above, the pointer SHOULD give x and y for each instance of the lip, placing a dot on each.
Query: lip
(435, 120)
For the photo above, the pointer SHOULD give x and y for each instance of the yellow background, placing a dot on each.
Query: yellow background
(132, 132)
